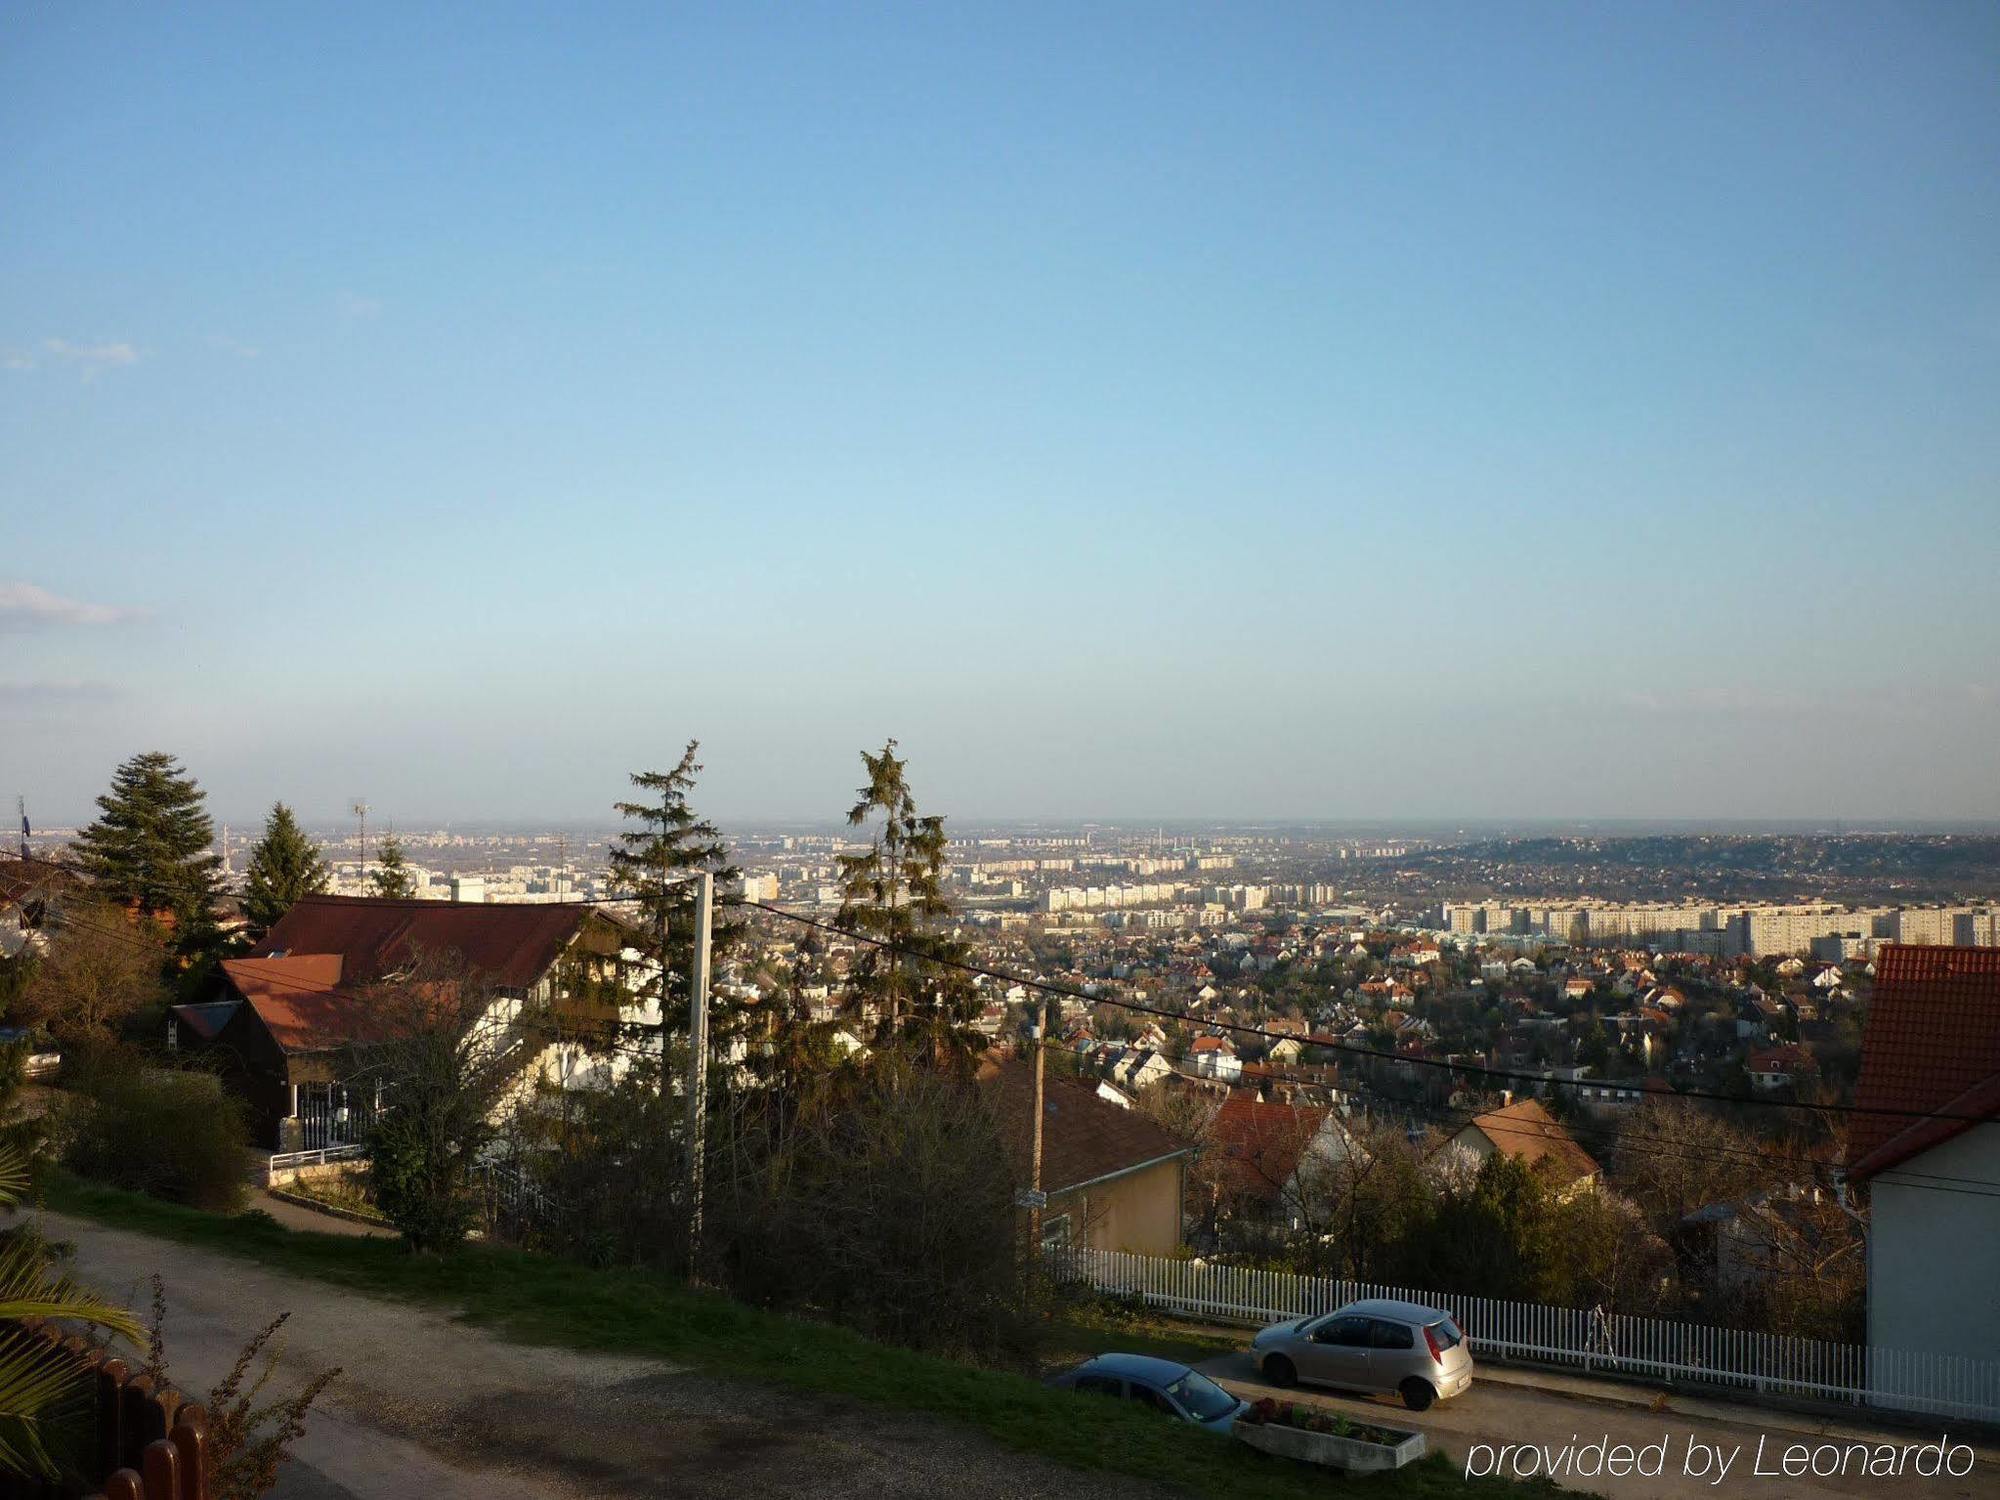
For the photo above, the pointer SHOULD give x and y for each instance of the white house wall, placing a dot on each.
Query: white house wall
(1934, 1256)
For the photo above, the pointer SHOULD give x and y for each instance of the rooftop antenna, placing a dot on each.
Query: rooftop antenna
(361, 812)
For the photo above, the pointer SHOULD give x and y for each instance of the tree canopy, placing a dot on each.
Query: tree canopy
(150, 846)
(284, 866)
(391, 876)
(668, 841)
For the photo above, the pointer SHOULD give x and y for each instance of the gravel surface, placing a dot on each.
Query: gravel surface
(426, 1406)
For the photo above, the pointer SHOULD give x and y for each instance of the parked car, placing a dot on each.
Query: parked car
(1173, 1390)
(1403, 1348)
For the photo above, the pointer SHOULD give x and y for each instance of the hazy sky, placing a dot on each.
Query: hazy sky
(1325, 410)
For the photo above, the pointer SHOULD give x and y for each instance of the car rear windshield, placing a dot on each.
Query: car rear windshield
(1447, 1335)
(1200, 1397)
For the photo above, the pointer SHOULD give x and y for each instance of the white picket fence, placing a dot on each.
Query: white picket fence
(1653, 1349)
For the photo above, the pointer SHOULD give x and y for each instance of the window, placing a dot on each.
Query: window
(1385, 1335)
(1200, 1397)
(1145, 1395)
(1349, 1332)
(1055, 1232)
(1099, 1385)
(1447, 1335)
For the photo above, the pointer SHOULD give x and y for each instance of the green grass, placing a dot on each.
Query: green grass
(536, 1299)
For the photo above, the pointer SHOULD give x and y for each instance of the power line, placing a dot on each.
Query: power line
(610, 1038)
(1326, 1043)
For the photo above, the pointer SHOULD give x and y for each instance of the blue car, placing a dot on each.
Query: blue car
(1170, 1389)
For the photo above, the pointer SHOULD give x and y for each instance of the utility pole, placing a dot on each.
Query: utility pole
(1037, 1201)
(697, 1084)
(1034, 1199)
(361, 812)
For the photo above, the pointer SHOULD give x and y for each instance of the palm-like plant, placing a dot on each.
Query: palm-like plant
(38, 1380)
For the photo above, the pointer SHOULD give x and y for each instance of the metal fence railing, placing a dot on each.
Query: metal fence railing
(1653, 1349)
(279, 1163)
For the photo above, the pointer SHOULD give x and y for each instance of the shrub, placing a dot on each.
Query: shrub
(175, 1135)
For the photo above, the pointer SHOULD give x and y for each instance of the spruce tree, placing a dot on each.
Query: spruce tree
(391, 876)
(670, 841)
(151, 844)
(284, 866)
(893, 893)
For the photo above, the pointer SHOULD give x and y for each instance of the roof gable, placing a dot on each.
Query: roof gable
(511, 945)
(1528, 1133)
(1085, 1137)
(1931, 1046)
(1262, 1143)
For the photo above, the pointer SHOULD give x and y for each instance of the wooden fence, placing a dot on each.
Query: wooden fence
(141, 1443)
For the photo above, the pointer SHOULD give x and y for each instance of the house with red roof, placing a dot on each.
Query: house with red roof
(1215, 1057)
(1263, 1149)
(1925, 1142)
(1786, 1065)
(1115, 1179)
(1526, 1132)
(292, 1014)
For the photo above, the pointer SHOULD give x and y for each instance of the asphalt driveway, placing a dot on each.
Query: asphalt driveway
(1501, 1409)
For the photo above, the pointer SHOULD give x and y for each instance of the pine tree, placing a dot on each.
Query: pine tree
(284, 866)
(894, 894)
(671, 841)
(150, 846)
(391, 876)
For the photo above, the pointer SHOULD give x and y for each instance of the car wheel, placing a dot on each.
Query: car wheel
(1417, 1394)
(1281, 1372)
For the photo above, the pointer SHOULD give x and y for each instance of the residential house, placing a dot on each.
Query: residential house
(1114, 1177)
(1262, 1149)
(1215, 1057)
(291, 1013)
(1928, 1119)
(1139, 1068)
(1784, 1066)
(1526, 1132)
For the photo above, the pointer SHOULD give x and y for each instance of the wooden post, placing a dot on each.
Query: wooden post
(1035, 1169)
(160, 1464)
(190, 1436)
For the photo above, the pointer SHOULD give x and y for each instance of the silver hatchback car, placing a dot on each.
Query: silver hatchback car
(1404, 1348)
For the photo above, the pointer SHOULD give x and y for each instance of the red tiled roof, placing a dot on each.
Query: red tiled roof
(297, 999)
(1260, 1144)
(1931, 1046)
(1531, 1135)
(512, 946)
(1085, 1137)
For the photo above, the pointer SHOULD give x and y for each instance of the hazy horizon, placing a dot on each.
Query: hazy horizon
(1276, 412)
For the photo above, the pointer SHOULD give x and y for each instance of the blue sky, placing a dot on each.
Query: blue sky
(1148, 411)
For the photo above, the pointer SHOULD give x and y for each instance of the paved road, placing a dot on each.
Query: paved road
(429, 1407)
(1494, 1412)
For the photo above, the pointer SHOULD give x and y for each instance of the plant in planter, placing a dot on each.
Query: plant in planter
(1331, 1438)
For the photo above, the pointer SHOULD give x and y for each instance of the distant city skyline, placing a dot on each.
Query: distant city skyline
(1141, 412)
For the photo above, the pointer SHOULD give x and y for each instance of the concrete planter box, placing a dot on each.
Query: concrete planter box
(1324, 1448)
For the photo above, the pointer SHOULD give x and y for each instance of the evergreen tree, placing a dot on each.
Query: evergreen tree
(894, 894)
(284, 866)
(150, 846)
(391, 876)
(669, 841)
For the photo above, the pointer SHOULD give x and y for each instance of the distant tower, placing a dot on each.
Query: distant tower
(225, 849)
(361, 812)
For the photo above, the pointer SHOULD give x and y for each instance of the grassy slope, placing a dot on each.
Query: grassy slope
(535, 1299)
